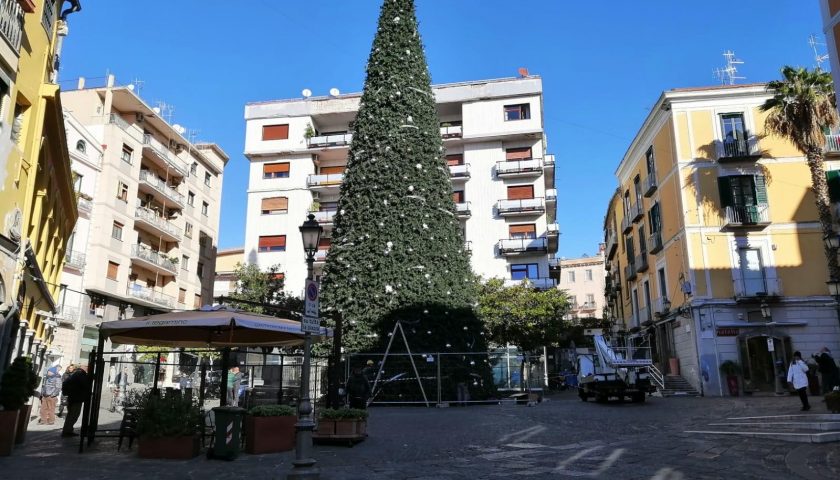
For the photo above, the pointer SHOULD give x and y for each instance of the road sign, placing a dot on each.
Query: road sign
(310, 324)
(311, 306)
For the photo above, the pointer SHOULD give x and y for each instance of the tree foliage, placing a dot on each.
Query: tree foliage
(258, 287)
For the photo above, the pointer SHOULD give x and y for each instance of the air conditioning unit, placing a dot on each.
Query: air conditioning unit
(99, 311)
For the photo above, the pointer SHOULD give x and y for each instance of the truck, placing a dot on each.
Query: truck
(607, 371)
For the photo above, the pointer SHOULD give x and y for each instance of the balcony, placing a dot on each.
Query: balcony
(451, 131)
(459, 172)
(649, 185)
(641, 262)
(11, 23)
(84, 205)
(332, 140)
(760, 287)
(551, 196)
(519, 168)
(150, 183)
(626, 224)
(832, 144)
(74, 260)
(637, 211)
(548, 169)
(115, 119)
(541, 283)
(164, 155)
(152, 260)
(612, 243)
(554, 268)
(552, 234)
(321, 256)
(645, 315)
(749, 216)
(325, 217)
(523, 206)
(523, 246)
(737, 151)
(145, 217)
(324, 182)
(462, 210)
(630, 272)
(654, 243)
(151, 296)
(468, 247)
(659, 306)
(68, 315)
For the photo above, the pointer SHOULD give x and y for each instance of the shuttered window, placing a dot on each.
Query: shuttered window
(455, 159)
(274, 205)
(182, 295)
(275, 132)
(655, 218)
(520, 192)
(519, 153)
(833, 179)
(332, 170)
(458, 196)
(113, 270)
(523, 231)
(324, 243)
(742, 190)
(276, 170)
(197, 301)
(272, 243)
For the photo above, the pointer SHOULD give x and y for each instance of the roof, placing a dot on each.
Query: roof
(718, 87)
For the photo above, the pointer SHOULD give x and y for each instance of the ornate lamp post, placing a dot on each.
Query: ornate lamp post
(832, 242)
(765, 314)
(304, 466)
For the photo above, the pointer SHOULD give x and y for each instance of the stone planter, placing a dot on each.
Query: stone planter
(832, 402)
(178, 448)
(269, 434)
(8, 430)
(22, 423)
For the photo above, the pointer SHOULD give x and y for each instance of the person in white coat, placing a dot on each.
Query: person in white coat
(798, 377)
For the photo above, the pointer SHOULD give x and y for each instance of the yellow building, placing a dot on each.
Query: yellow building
(38, 203)
(227, 263)
(713, 220)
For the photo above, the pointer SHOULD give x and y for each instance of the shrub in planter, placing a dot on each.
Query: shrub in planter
(270, 429)
(832, 400)
(16, 388)
(731, 370)
(342, 421)
(168, 426)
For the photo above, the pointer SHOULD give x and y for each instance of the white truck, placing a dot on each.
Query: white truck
(607, 371)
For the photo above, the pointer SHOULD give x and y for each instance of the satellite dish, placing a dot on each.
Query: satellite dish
(131, 86)
(179, 129)
(306, 93)
(334, 92)
(523, 72)
(156, 110)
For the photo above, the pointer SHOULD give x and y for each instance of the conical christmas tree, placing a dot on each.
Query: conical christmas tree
(397, 250)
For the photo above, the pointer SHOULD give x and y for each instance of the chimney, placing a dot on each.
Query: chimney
(81, 84)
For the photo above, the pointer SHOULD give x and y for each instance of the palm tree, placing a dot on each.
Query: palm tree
(803, 104)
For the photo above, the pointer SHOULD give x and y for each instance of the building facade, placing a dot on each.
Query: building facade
(830, 10)
(584, 280)
(713, 242)
(154, 215)
(227, 261)
(502, 178)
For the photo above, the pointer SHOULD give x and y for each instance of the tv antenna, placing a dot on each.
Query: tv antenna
(729, 74)
(138, 85)
(192, 134)
(166, 110)
(812, 41)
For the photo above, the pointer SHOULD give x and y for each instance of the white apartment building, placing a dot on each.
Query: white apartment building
(584, 280)
(502, 178)
(150, 235)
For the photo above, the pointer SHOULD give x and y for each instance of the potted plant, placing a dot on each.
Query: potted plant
(832, 400)
(309, 132)
(16, 388)
(270, 429)
(731, 369)
(168, 426)
(342, 423)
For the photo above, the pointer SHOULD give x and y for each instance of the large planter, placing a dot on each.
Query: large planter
(22, 423)
(832, 402)
(269, 434)
(179, 448)
(8, 430)
(732, 383)
(341, 428)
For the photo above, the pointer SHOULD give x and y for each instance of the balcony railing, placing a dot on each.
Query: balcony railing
(117, 120)
(748, 215)
(74, 259)
(522, 206)
(329, 180)
(83, 204)
(519, 167)
(163, 152)
(659, 306)
(11, 23)
(462, 210)
(760, 286)
(459, 171)
(159, 185)
(514, 246)
(548, 161)
(736, 149)
(155, 258)
(649, 186)
(654, 242)
(541, 283)
(452, 131)
(150, 295)
(151, 217)
(69, 315)
(832, 143)
(321, 255)
(334, 140)
(612, 243)
(552, 230)
(325, 216)
(641, 262)
(551, 195)
(637, 211)
(626, 223)
(630, 272)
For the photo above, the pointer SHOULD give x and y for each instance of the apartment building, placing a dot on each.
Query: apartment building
(502, 178)
(713, 242)
(227, 260)
(830, 10)
(584, 280)
(154, 220)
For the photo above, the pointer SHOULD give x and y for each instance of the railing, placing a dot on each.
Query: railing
(512, 167)
(644, 315)
(748, 215)
(612, 242)
(541, 283)
(153, 181)
(117, 120)
(654, 242)
(630, 272)
(764, 286)
(522, 205)
(649, 185)
(83, 204)
(522, 245)
(626, 223)
(11, 23)
(164, 153)
(329, 180)
(459, 171)
(832, 143)
(552, 230)
(148, 215)
(637, 211)
(656, 376)
(551, 195)
(452, 131)
(641, 262)
(74, 259)
(153, 257)
(548, 161)
(324, 216)
(554, 263)
(468, 247)
(150, 295)
(335, 140)
(736, 149)
(462, 209)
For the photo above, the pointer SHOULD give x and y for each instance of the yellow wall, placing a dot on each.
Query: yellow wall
(703, 134)
(227, 261)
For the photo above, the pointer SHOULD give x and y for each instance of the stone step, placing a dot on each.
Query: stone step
(796, 437)
(805, 428)
(787, 426)
(678, 393)
(822, 417)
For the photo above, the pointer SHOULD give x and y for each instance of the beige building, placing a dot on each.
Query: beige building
(227, 261)
(584, 280)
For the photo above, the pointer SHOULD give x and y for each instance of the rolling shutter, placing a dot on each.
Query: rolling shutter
(276, 168)
(455, 159)
(458, 196)
(324, 243)
(523, 231)
(275, 204)
(523, 153)
(332, 170)
(275, 132)
(272, 242)
(520, 192)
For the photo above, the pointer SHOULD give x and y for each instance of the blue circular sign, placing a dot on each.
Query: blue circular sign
(312, 292)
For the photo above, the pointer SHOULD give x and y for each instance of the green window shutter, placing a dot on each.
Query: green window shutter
(725, 189)
(760, 189)
(833, 179)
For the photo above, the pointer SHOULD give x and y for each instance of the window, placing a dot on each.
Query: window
(113, 270)
(832, 177)
(590, 300)
(743, 197)
(642, 241)
(631, 251)
(276, 170)
(523, 231)
(334, 170)
(734, 135)
(48, 17)
(524, 270)
(122, 191)
(571, 276)
(204, 208)
(199, 271)
(752, 272)
(588, 275)
(637, 185)
(188, 230)
(117, 231)
(197, 301)
(635, 306)
(207, 178)
(185, 262)
(194, 168)
(126, 154)
(663, 290)
(655, 218)
(650, 161)
(458, 196)
(275, 132)
(648, 311)
(520, 192)
(77, 181)
(274, 205)
(272, 243)
(520, 111)
(455, 159)
(182, 295)
(519, 153)
(190, 198)
(81, 146)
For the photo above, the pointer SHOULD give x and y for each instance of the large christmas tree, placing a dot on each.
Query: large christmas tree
(397, 250)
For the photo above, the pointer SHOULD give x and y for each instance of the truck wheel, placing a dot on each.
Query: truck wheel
(583, 396)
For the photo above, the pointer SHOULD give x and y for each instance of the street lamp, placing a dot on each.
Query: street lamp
(304, 464)
(765, 314)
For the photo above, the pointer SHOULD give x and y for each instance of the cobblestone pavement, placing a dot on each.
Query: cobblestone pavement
(560, 438)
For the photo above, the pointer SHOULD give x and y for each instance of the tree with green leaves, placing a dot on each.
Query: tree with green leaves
(261, 288)
(397, 250)
(802, 106)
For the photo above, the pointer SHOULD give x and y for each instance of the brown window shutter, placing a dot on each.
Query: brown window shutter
(526, 231)
(272, 241)
(275, 132)
(458, 196)
(182, 295)
(324, 244)
(520, 192)
(455, 159)
(197, 301)
(113, 270)
(274, 204)
(523, 153)
(276, 167)
(332, 170)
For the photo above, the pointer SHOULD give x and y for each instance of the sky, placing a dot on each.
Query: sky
(603, 66)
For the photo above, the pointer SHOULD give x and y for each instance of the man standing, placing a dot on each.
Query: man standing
(67, 373)
(828, 370)
(50, 390)
(234, 381)
(76, 389)
(798, 377)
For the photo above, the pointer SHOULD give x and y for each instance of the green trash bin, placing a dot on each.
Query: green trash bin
(228, 439)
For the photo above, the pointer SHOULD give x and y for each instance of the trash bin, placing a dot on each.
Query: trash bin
(228, 437)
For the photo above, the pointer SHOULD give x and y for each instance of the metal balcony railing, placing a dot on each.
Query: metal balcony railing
(462, 209)
(541, 283)
(325, 216)
(551, 195)
(649, 185)
(163, 152)
(740, 148)
(548, 161)
(552, 230)
(153, 181)
(329, 180)
(760, 286)
(522, 245)
(459, 171)
(333, 140)
(150, 295)
(641, 262)
(832, 143)
(523, 205)
(83, 204)
(155, 258)
(637, 211)
(630, 271)
(748, 215)
(654, 242)
(468, 247)
(69, 315)
(452, 131)
(150, 216)
(11, 23)
(515, 167)
(627, 223)
(74, 259)
(612, 243)
(117, 120)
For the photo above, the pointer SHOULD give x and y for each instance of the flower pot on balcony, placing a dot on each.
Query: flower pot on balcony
(8, 430)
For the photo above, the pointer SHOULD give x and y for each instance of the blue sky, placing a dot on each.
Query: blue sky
(603, 65)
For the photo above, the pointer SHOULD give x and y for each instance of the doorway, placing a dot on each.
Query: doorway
(757, 360)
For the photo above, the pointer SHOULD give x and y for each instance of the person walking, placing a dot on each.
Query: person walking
(76, 389)
(50, 390)
(358, 389)
(63, 402)
(828, 370)
(234, 381)
(798, 377)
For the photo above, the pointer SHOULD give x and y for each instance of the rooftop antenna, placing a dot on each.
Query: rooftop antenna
(729, 74)
(192, 134)
(138, 85)
(166, 110)
(812, 41)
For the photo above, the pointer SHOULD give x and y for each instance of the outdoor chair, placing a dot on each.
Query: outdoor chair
(128, 427)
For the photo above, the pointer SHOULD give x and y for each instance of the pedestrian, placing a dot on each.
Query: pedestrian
(234, 381)
(50, 390)
(63, 403)
(358, 389)
(798, 377)
(828, 370)
(76, 389)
